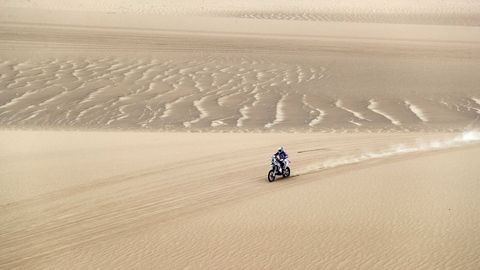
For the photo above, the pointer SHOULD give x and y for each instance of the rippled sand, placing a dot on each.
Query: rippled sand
(459, 12)
(377, 103)
(235, 93)
(76, 78)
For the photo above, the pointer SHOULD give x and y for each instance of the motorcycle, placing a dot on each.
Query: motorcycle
(276, 169)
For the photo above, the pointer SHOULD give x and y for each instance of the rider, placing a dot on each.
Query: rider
(280, 156)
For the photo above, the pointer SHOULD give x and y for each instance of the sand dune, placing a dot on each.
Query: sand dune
(229, 75)
(234, 93)
(184, 200)
(462, 12)
(377, 103)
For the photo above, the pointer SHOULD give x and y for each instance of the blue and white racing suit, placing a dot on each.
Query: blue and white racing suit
(280, 156)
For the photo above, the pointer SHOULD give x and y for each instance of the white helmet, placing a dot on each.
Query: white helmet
(280, 148)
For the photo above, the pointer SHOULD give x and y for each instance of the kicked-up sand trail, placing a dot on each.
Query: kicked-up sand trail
(138, 134)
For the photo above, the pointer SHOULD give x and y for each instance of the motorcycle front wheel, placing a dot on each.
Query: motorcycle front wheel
(271, 176)
(286, 173)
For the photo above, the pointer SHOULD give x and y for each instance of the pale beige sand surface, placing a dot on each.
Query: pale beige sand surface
(37, 162)
(377, 103)
(460, 12)
(118, 79)
(90, 66)
(84, 200)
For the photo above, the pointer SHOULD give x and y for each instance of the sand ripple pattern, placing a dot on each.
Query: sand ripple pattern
(208, 93)
(401, 17)
(459, 12)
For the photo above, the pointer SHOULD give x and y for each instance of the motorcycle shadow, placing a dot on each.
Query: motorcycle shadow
(280, 178)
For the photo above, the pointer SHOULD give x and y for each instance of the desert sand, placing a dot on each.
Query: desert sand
(138, 134)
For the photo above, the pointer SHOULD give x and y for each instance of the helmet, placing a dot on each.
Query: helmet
(280, 149)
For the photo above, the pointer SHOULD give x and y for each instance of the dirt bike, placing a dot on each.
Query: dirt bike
(277, 171)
